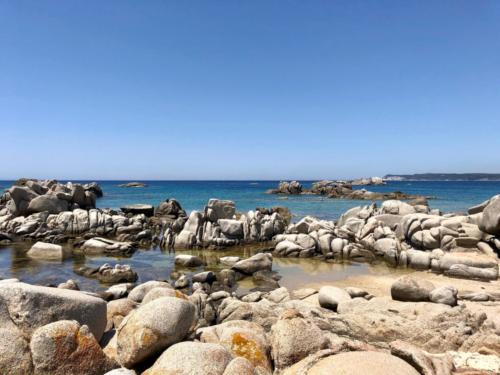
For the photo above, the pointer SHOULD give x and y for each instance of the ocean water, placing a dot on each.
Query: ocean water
(449, 196)
(155, 263)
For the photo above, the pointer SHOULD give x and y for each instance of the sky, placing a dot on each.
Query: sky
(248, 89)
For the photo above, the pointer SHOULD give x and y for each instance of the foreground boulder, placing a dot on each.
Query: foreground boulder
(65, 347)
(152, 328)
(30, 307)
(351, 363)
(490, 220)
(15, 356)
(192, 358)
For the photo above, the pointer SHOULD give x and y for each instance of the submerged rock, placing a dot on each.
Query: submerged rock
(48, 251)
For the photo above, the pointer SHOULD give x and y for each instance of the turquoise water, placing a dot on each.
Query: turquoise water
(451, 196)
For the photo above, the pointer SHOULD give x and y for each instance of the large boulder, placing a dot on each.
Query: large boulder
(293, 338)
(99, 245)
(138, 209)
(65, 347)
(187, 260)
(352, 363)
(171, 209)
(490, 220)
(30, 307)
(15, 356)
(231, 228)
(219, 209)
(43, 250)
(409, 288)
(49, 203)
(258, 262)
(192, 358)
(144, 334)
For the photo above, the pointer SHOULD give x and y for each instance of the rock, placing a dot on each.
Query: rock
(70, 284)
(171, 209)
(139, 292)
(444, 294)
(65, 347)
(330, 296)
(425, 363)
(187, 260)
(229, 261)
(240, 366)
(408, 288)
(43, 250)
(49, 203)
(191, 358)
(99, 245)
(231, 228)
(219, 209)
(242, 339)
(490, 220)
(117, 274)
(182, 282)
(395, 207)
(15, 356)
(133, 184)
(142, 335)
(303, 293)
(204, 277)
(119, 309)
(285, 187)
(294, 338)
(156, 293)
(352, 363)
(261, 261)
(138, 209)
(30, 307)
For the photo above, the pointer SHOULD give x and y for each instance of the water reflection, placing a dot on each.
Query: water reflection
(158, 264)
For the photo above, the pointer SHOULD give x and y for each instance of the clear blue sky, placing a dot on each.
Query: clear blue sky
(248, 89)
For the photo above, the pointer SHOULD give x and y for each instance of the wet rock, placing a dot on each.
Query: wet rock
(70, 284)
(187, 260)
(229, 261)
(409, 288)
(192, 358)
(48, 251)
(100, 245)
(204, 277)
(31, 307)
(120, 273)
(65, 347)
(329, 297)
(261, 261)
(142, 335)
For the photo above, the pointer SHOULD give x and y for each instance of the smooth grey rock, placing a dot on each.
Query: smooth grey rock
(219, 209)
(231, 228)
(490, 220)
(261, 261)
(49, 203)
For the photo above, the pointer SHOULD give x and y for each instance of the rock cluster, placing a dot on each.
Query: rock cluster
(340, 189)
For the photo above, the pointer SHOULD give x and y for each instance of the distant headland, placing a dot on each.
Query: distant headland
(443, 177)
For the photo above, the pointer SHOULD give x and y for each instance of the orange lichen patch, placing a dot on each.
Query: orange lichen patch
(147, 337)
(246, 348)
(180, 295)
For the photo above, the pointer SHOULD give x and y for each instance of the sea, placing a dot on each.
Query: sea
(155, 263)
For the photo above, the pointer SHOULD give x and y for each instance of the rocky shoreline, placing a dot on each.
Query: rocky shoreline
(209, 327)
